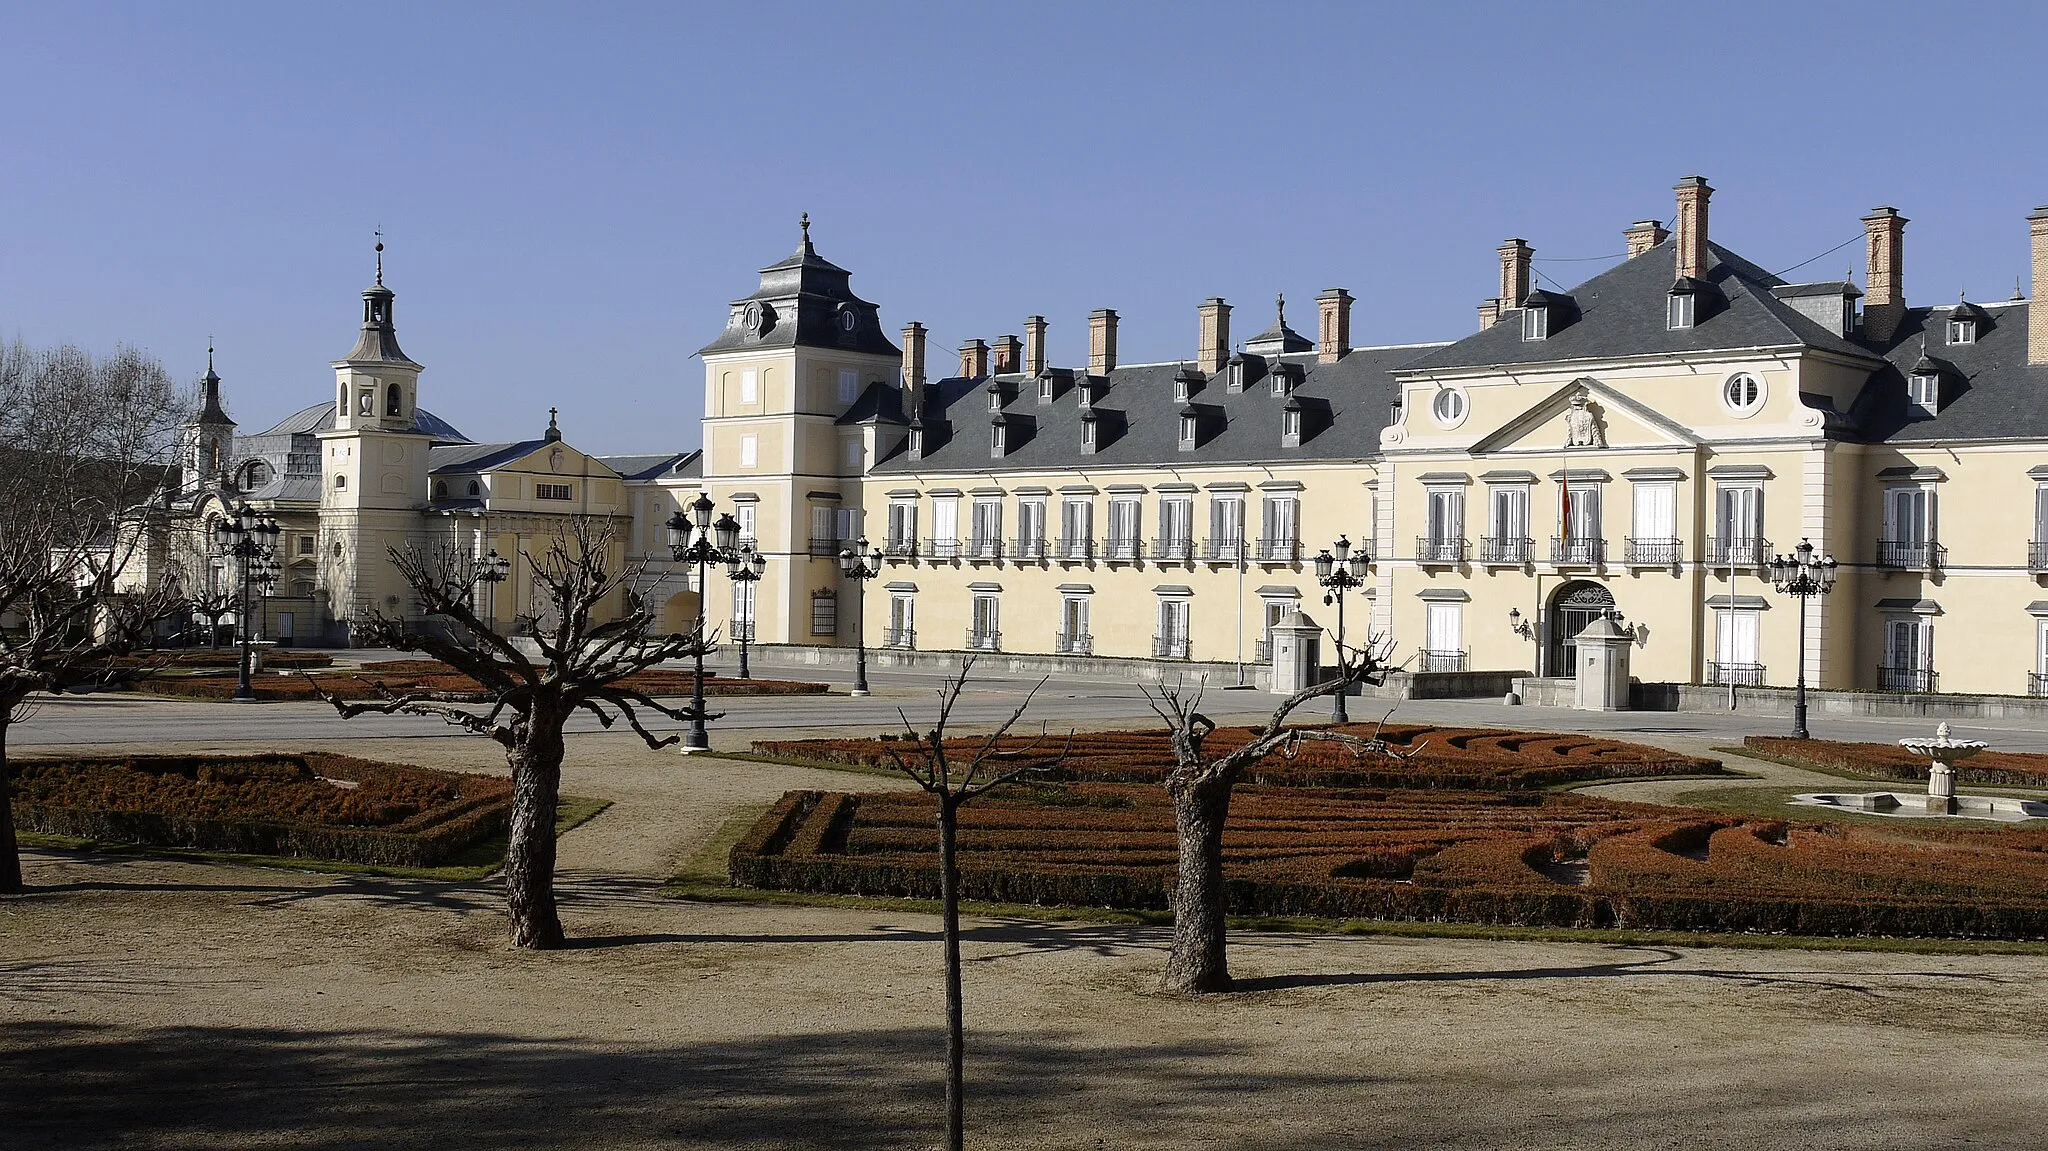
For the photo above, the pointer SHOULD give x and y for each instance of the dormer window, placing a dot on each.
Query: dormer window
(1923, 391)
(1962, 331)
(1045, 389)
(995, 400)
(917, 441)
(1535, 323)
(1234, 375)
(996, 440)
(1087, 395)
(1088, 434)
(1681, 308)
(1290, 424)
(1186, 383)
(1190, 429)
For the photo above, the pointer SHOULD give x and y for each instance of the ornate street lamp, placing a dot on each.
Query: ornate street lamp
(1338, 573)
(1799, 574)
(695, 539)
(745, 568)
(860, 563)
(251, 541)
(491, 571)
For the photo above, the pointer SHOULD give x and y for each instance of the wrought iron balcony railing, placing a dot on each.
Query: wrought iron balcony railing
(1907, 679)
(944, 549)
(1279, 551)
(1169, 647)
(1070, 549)
(1173, 549)
(1578, 550)
(2037, 556)
(978, 640)
(1224, 551)
(740, 631)
(826, 546)
(1430, 550)
(2037, 683)
(1027, 548)
(1262, 651)
(1427, 660)
(1120, 549)
(1654, 552)
(1739, 674)
(1073, 643)
(1738, 551)
(1505, 549)
(904, 637)
(901, 548)
(984, 550)
(1909, 555)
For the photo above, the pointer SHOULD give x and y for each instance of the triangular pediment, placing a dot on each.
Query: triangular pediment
(1617, 421)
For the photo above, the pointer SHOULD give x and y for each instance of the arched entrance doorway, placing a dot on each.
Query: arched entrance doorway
(679, 615)
(1574, 606)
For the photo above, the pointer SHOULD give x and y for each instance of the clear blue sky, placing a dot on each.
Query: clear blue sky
(572, 194)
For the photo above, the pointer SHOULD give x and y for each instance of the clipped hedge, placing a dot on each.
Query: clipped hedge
(1890, 761)
(400, 676)
(1458, 759)
(313, 805)
(1438, 855)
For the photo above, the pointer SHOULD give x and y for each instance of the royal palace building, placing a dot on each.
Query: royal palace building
(1642, 443)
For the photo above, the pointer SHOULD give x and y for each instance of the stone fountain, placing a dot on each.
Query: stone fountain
(1946, 751)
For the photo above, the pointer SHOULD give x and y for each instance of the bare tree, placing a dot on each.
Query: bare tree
(990, 767)
(528, 701)
(1201, 788)
(84, 443)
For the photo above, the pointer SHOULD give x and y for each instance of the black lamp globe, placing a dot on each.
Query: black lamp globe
(700, 513)
(678, 532)
(726, 531)
(1325, 562)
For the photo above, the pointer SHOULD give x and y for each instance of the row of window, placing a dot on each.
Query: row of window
(1279, 521)
(750, 385)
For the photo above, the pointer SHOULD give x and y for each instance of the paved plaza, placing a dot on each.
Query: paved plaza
(155, 1003)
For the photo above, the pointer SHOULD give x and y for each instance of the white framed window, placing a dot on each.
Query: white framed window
(1535, 323)
(750, 386)
(1735, 640)
(1088, 440)
(849, 385)
(1444, 627)
(2041, 647)
(1743, 394)
(988, 620)
(1909, 516)
(1909, 643)
(554, 491)
(1171, 642)
(1678, 311)
(1290, 426)
(1444, 515)
(1507, 514)
(743, 602)
(1962, 331)
(995, 399)
(855, 456)
(988, 527)
(1182, 390)
(1045, 389)
(1923, 391)
(1448, 406)
(1031, 527)
(995, 441)
(902, 619)
(945, 527)
(750, 449)
(1077, 525)
(846, 523)
(1074, 635)
(1189, 426)
(902, 524)
(746, 515)
(1739, 523)
(1582, 513)
(1177, 522)
(1655, 514)
(1126, 527)
(1226, 526)
(1279, 526)
(2041, 514)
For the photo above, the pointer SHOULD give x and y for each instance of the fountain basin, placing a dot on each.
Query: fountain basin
(1911, 805)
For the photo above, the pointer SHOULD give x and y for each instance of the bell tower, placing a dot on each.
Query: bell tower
(373, 482)
(209, 434)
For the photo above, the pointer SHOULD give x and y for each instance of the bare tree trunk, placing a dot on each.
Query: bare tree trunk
(10, 848)
(530, 853)
(1197, 962)
(956, 1031)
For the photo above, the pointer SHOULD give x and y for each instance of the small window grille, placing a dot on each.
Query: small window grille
(554, 491)
(824, 613)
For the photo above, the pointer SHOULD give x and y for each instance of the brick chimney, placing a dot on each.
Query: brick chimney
(2037, 307)
(974, 359)
(1489, 312)
(1333, 325)
(913, 367)
(1212, 349)
(1008, 353)
(1693, 195)
(1643, 235)
(1884, 280)
(1101, 342)
(1515, 261)
(1034, 345)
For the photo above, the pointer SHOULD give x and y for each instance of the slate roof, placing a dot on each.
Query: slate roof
(478, 457)
(1620, 313)
(1345, 406)
(1993, 392)
(320, 418)
(805, 300)
(378, 341)
(645, 467)
(293, 487)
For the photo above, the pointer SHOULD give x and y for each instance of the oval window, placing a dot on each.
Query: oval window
(1448, 407)
(1743, 393)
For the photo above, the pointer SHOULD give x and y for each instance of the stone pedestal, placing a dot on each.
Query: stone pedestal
(1603, 666)
(1941, 789)
(1297, 653)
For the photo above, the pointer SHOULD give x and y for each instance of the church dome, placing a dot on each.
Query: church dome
(320, 418)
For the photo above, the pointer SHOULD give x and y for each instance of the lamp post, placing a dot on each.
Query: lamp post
(491, 571)
(744, 567)
(690, 540)
(1339, 572)
(860, 563)
(251, 540)
(1799, 574)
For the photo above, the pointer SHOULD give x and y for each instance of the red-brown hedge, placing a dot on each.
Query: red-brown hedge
(401, 676)
(389, 814)
(1890, 761)
(1428, 855)
(1453, 758)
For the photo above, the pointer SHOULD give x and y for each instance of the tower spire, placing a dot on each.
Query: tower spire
(380, 255)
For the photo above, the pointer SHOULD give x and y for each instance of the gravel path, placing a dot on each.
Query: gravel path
(158, 1004)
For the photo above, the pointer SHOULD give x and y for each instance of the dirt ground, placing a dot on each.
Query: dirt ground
(155, 1004)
